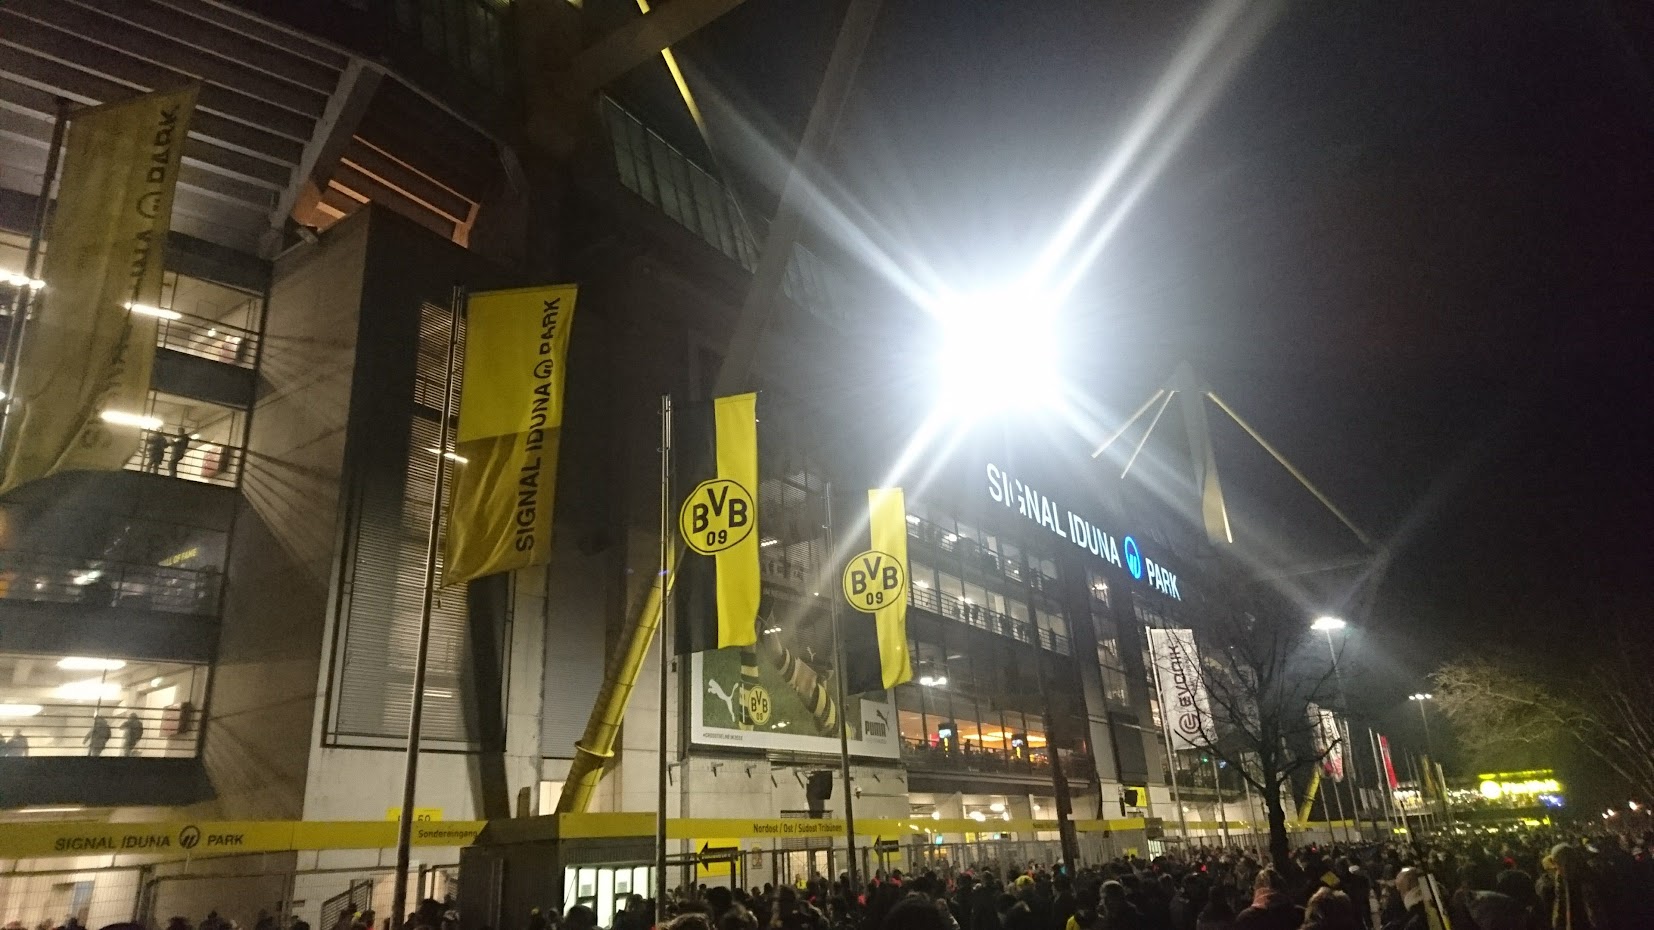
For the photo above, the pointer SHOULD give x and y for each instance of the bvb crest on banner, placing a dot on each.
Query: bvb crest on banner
(717, 474)
(875, 583)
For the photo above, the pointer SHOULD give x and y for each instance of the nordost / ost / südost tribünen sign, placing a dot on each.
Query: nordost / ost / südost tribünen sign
(1041, 509)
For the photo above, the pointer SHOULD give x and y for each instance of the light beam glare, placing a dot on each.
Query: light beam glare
(1216, 76)
(1213, 25)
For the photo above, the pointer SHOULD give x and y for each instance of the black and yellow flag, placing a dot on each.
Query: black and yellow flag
(716, 448)
(875, 583)
(83, 379)
(510, 421)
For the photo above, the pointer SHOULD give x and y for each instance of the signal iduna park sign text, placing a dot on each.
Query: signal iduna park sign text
(1124, 552)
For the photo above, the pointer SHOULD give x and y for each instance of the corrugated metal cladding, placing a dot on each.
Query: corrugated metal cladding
(270, 95)
(379, 619)
(264, 89)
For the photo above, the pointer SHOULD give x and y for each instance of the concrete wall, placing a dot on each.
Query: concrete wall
(265, 686)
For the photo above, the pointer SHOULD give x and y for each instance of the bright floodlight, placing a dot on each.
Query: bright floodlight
(1328, 623)
(998, 352)
(1420, 696)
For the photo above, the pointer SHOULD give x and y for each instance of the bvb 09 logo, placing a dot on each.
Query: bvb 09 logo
(716, 516)
(874, 580)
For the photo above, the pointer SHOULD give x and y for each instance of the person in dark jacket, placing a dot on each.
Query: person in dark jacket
(1271, 909)
(1185, 908)
(1118, 913)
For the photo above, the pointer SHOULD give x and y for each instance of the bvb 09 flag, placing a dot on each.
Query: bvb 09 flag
(86, 352)
(510, 421)
(875, 584)
(715, 448)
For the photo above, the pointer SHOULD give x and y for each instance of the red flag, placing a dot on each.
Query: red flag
(1389, 767)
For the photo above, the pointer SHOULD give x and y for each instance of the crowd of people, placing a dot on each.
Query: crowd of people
(1523, 880)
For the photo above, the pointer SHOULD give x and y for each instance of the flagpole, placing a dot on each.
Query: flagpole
(665, 652)
(21, 301)
(843, 709)
(410, 776)
(1217, 786)
(1171, 756)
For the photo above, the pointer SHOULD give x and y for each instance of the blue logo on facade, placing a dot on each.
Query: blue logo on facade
(1134, 559)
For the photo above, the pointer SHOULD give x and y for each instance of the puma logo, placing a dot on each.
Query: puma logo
(728, 697)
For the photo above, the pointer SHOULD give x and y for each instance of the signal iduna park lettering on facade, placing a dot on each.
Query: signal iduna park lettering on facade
(1041, 509)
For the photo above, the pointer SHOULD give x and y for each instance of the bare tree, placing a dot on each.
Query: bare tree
(1605, 707)
(1261, 673)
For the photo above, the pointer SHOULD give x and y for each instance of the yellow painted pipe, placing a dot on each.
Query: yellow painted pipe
(596, 745)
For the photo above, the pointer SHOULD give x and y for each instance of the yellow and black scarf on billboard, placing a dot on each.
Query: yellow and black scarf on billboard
(875, 583)
(715, 446)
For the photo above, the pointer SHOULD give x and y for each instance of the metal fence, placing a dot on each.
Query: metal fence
(955, 608)
(28, 576)
(90, 729)
(972, 758)
(183, 456)
(219, 342)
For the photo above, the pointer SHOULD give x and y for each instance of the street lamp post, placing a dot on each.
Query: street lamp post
(1328, 625)
(1422, 697)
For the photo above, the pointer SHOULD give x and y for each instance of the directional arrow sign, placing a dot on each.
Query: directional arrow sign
(887, 846)
(710, 852)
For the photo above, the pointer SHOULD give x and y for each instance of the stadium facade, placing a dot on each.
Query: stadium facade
(239, 607)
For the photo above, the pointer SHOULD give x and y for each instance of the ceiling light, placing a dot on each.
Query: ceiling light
(91, 689)
(20, 710)
(22, 280)
(769, 541)
(912, 518)
(69, 809)
(155, 682)
(87, 664)
(149, 310)
(978, 816)
(122, 418)
(997, 807)
(935, 815)
(450, 456)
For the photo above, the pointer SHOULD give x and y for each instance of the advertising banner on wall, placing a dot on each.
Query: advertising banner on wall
(1185, 705)
(787, 703)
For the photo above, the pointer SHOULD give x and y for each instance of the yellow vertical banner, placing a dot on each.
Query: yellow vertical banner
(510, 422)
(83, 375)
(735, 421)
(887, 526)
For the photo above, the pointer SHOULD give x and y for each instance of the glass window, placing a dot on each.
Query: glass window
(100, 706)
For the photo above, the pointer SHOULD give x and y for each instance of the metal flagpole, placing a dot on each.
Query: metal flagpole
(24, 298)
(410, 776)
(1217, 786)
(1252, 825)
(1386, 795)
(665, 653)
(843, 708)
(1171, 757)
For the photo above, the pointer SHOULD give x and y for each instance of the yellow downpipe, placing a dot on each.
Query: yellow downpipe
(596, 745)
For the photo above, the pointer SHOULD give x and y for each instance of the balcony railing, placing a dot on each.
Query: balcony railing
(969, 757)
(88, 729)
(27, 576)
(982, 618)
(163, 453)
(207, 339)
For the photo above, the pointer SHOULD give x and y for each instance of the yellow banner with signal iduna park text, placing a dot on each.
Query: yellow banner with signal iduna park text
(83, 376)
(510, 421)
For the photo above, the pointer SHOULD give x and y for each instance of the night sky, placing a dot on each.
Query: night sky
(1413, 245)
